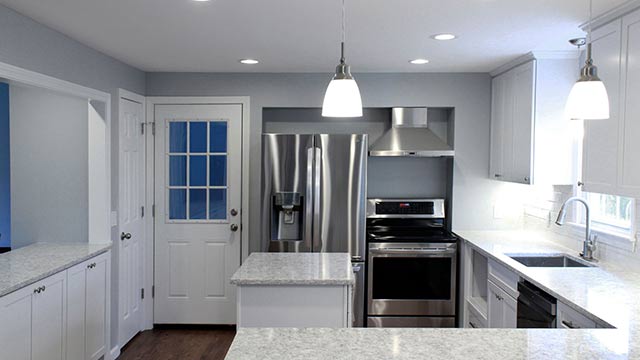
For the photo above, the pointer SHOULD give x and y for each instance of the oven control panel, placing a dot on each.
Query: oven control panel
(402, 208)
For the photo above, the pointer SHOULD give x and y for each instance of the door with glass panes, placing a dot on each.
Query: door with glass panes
(197, 220)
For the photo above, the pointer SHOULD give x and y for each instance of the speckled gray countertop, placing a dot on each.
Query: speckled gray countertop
(295, 269)
(24, 266)
(608, 294)
(448, 344)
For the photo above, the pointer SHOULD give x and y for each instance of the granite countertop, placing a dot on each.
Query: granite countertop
(447, 344)
(295, 269)
(24, 266)
(607, 294)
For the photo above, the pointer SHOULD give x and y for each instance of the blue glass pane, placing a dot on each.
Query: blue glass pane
(218, 170)
(177, 204)
(198, 137)
(218, 136)
(198, 170)
(177, 170)
(178, 137)
(217, 204)
(197, 204)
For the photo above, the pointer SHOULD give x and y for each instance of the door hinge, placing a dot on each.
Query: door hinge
(153, 210)
(142, 211)
(142, 128)
(142, 293)
(153, 291)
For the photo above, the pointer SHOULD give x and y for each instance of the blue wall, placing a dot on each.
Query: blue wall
(5, 189)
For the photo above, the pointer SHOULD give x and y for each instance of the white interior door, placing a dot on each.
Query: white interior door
(197, 223)
(131, 201)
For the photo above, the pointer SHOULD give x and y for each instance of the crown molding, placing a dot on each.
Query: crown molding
(535, 55)
(611, 15)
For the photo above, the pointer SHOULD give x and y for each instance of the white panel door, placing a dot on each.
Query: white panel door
(76, 310)
(629, 171)
(15, 324)
(197, 223)
(131, 202)
(600, 150)
(502, 308)
(48, 315)
(498, 97)
(97, 300)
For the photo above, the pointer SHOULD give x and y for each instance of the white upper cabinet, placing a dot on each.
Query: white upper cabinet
(531, 140)
(611, 148)
(600, 150)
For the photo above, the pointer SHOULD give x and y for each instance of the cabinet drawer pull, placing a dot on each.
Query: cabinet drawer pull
(569, 324)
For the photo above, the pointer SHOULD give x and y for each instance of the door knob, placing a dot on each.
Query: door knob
(233, 212)
(125, 236)
(234, 227)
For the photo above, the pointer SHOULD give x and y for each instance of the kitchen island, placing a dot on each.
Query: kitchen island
(294, 290)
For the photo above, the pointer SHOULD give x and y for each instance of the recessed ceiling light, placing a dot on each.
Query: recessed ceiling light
(201, 0)
(444, 37)
(249, 61)
(419, 61)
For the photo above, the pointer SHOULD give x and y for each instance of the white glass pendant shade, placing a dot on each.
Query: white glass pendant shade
(342, 99)
(588, 100)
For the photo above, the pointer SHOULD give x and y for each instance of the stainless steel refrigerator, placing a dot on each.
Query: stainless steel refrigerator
(314, 191)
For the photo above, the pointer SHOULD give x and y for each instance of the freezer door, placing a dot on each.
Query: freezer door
(339, 224)
(287, 195)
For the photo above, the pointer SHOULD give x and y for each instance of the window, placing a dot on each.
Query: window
(197, 169)
(610, 212)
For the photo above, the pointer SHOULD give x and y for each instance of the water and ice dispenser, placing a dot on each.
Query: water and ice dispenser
(287, 217)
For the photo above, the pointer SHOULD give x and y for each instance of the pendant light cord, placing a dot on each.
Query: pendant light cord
(590, 19)
(344, 31)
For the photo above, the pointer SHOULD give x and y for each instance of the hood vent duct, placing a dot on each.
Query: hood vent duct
(409, 136)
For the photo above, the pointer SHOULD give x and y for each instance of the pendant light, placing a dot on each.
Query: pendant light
(588, 99)
(342, 98)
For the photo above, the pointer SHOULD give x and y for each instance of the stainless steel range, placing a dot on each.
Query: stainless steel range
(411, 264)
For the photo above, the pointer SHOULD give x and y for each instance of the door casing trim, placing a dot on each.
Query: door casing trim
(151, 102)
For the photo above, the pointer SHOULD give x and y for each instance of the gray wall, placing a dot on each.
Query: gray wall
(469, 94)
(49, 167)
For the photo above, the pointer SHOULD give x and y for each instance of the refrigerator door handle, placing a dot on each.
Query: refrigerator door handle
(309, 210)
(317, 241)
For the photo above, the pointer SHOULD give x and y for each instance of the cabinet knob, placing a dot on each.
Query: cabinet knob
(234, 227)
(497, 175)
(233, 212)
(580, 183)
(125, 236)
(526, 178)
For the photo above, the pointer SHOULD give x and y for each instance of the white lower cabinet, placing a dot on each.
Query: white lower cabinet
(87, 309)
(63, 316)
(570, 319)
(15, 324)
(502, 308)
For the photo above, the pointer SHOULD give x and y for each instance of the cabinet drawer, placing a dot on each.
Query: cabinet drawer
(504, 278)
(476, 319)
(569, 318)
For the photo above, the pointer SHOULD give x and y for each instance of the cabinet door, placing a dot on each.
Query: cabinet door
(502, 308)
(96, 318)
(48, 311)
(522, 79)
(15, 324)
(76, 290)
(600, 147)
(498, 98)
(628, 169)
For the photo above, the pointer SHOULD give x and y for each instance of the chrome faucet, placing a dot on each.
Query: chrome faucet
(589, 245)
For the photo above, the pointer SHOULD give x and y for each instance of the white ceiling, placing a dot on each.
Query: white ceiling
(304, 35)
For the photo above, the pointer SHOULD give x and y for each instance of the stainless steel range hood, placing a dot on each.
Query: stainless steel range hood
(409, 136)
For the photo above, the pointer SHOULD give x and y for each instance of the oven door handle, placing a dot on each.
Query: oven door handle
(414, 251)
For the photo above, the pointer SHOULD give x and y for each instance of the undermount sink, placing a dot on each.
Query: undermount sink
(549, 260)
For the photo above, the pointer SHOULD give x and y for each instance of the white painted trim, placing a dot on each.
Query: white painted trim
(114, 353)
(151, 102)
(535, 55)
(131, 96)
(611, 15)
(24, 76)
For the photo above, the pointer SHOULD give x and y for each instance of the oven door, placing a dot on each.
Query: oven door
(412, 279)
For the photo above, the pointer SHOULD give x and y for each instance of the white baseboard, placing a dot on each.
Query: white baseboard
(114, 353)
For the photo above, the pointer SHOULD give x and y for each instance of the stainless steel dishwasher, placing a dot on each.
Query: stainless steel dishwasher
(536, 308)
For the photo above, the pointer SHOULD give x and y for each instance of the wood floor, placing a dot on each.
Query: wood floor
(184, 343)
